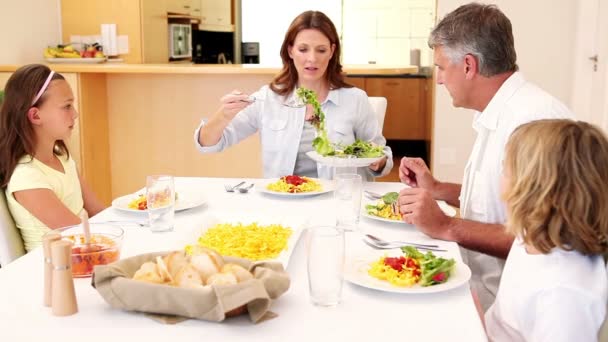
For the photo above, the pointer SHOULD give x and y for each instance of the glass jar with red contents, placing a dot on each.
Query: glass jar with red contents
(103, 248)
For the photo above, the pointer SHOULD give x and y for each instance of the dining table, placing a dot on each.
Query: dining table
(364, 314)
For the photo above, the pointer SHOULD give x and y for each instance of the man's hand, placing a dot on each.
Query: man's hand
(420, 209)
(415, 173)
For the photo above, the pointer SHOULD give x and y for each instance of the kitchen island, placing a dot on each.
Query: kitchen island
(139, 119)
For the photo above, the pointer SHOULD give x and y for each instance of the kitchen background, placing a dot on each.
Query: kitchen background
(554, 40)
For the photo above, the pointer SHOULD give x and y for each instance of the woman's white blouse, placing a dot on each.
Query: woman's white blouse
(348, 116)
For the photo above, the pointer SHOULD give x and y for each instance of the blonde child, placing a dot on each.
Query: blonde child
(42, 186)
(554, 285)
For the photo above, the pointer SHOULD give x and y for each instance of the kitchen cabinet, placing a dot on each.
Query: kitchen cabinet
(195, 8)
(216, 15)
(408, 111)
(178, 6)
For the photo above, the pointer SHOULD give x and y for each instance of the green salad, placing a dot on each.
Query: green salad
(434, 270)
(321, 144)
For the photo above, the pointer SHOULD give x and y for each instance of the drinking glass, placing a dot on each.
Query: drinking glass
(325, 264)
(347, 198)
(345, 166)
(160, 195)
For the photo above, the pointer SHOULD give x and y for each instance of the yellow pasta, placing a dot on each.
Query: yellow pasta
(286, 184)
(404, 278)
(251, 241)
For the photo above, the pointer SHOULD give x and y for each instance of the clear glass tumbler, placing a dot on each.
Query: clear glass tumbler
(325, 265)
(160, 196)
(347, 198)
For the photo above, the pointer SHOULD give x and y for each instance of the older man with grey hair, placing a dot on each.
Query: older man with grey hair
(476, 62)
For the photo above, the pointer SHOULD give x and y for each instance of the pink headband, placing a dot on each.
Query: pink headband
(44, 86)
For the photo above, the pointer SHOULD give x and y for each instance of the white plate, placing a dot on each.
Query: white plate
(184, 201)
(326, 186)
(356, 269)
(76, 60)
(342, 162)
(297, 224)
(446, 208)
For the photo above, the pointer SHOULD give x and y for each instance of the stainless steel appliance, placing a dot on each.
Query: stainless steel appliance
(180, 41)
(251, 52)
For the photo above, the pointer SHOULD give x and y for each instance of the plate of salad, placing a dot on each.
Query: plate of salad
(343, 161)
(385, 209)
(406, 270)
(358, 154)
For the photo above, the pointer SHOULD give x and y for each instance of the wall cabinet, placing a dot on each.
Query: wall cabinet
(178, 6)
(216, 15)
(407, 114)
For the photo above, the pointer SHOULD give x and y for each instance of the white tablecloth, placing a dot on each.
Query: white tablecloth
(364, 314)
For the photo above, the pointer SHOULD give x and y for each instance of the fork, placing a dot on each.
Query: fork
(141, 224)
(230, 188)
(378, 241)
(372, 195)
(373, 245)
(290, 104)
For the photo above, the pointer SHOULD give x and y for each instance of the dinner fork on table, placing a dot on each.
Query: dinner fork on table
(230, 188)
(140, 224)
(378, 243)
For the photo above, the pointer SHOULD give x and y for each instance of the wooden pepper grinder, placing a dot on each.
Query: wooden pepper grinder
(63, 296)
(48, 238)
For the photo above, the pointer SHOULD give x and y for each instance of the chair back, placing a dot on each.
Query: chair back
(379, 105)
(11, 243)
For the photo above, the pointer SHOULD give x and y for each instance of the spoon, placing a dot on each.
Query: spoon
(383, 243)
(245, 189)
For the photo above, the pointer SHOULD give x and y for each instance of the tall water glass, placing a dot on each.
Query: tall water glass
(346, 165)
(160, 195)
(347, 198)
(325, 265)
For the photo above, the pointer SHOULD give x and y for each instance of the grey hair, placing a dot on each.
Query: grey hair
(479, 30)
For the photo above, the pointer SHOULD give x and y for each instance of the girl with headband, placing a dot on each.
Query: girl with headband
(42, 185)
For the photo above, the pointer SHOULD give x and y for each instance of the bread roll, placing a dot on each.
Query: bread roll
(221, 279)
(175, 261)
(188, 276)
(207, 263)
(163, 271)
(239, 271)
(148, 273)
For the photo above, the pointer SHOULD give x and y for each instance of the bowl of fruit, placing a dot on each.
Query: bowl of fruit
(92, 53)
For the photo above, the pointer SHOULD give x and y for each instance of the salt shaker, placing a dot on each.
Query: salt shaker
(48, 266)
(63, 296)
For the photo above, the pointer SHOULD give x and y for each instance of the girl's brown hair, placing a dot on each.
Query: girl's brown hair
(16, 133)
(287, 79)
(557, 180)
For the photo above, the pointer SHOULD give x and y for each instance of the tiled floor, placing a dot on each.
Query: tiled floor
(393, 176)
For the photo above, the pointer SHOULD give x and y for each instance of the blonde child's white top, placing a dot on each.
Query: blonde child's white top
(560, 296)
(31, 173)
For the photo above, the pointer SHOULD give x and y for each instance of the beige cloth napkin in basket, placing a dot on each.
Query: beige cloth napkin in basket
(210, 303)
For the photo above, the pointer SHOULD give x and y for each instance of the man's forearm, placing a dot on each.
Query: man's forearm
(486, 238)
(449, 192)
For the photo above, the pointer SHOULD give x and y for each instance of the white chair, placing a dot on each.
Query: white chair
(11, 244)
(379, 105)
